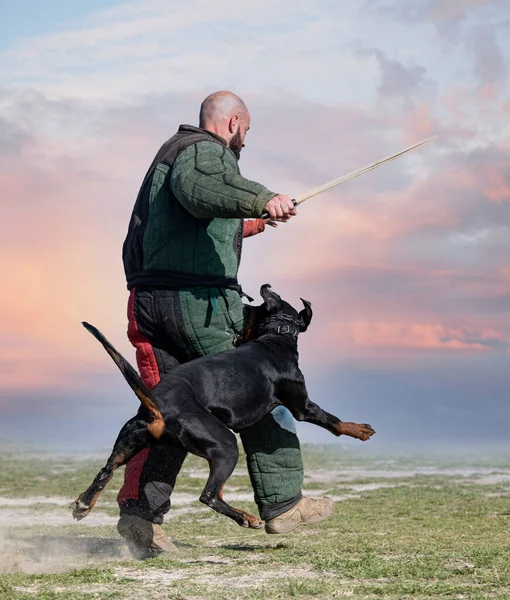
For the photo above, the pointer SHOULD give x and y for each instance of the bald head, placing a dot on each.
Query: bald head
(225, 114)
(221, 106)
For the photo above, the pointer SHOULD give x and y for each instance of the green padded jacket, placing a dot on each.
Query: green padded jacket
(186, 226)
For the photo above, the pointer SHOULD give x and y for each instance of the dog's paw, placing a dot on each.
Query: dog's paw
(365, 432)
(257, 524)
(79, 510)
(359, 431)
(251, 522)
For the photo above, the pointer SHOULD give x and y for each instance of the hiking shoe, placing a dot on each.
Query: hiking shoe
(306, 512)
(144, 539)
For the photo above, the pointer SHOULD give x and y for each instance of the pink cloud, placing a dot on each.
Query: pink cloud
(419, 123)
(453, 9)
(487, 93)
(377, 341)
(454, 100)
(60, 253)
(497, 183)
(47, 364)
(417, 336)
(493, 180)
(505, 272)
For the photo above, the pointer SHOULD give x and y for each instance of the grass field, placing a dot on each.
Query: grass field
(402, 528)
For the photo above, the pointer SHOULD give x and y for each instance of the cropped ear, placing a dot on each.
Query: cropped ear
(272, 302)
(305, 316)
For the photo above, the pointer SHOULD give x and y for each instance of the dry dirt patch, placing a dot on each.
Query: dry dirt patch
(35, 501)
(11, 518)
(259, 578)
(206, 573)
(55, 554)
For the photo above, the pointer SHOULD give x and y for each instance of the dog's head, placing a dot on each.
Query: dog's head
(274, 315)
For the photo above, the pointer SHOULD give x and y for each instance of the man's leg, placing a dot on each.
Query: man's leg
(275, 465)
(149, 477)
(274, 462)
(144, 499)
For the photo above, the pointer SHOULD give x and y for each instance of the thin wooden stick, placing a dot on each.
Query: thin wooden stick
(327, 186)
(353, 174)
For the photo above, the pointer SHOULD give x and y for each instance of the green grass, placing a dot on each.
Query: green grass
(431, 536)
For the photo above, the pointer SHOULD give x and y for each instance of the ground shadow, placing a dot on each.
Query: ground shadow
(248, 547)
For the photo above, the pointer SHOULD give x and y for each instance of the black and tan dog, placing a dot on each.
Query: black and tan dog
(201, 402)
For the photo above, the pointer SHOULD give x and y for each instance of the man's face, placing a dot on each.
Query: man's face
(236, 143)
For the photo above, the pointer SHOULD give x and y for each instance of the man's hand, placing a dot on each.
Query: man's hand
(280, 208)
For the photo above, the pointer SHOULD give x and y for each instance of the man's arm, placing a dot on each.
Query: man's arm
(206, 181)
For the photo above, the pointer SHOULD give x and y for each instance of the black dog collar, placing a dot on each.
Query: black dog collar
(292, 328)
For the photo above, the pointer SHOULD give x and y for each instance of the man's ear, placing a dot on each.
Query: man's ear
(234, 120)
(272, 302)
(305, 316)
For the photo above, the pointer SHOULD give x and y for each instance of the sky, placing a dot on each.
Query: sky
(407, 267)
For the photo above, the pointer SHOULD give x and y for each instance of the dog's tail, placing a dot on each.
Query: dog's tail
(157, 423)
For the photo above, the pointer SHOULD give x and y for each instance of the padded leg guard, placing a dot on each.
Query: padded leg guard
(274, 462)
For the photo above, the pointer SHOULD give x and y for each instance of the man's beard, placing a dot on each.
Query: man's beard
(236, 144)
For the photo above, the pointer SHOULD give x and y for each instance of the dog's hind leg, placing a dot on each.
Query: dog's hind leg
(132, 438)
(209, 438)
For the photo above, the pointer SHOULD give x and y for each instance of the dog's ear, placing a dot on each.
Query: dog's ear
(272, 302)
(305, 316)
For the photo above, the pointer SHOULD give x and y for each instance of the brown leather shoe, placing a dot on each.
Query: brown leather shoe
(144, 539)
(306, 512)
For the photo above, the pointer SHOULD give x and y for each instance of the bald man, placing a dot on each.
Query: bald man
(181, 257)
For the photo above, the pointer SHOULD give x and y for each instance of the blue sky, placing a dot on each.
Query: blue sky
(27, 18)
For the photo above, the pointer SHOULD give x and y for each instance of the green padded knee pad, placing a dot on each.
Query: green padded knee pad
(274, 458)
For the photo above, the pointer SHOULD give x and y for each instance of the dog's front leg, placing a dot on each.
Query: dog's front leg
(133, 437)
(315, 414)
(295, 397)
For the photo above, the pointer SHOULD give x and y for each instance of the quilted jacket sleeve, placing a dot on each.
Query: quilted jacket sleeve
(206, 180)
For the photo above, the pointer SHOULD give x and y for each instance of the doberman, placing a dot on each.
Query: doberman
(201, 402)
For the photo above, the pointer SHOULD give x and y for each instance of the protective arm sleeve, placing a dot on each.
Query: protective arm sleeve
(253, 227)
(206, 180)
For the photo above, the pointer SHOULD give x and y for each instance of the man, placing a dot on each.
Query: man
(181, 258)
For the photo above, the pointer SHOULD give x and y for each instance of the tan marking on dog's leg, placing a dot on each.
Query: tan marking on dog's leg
(156, 427)
(252, 520)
